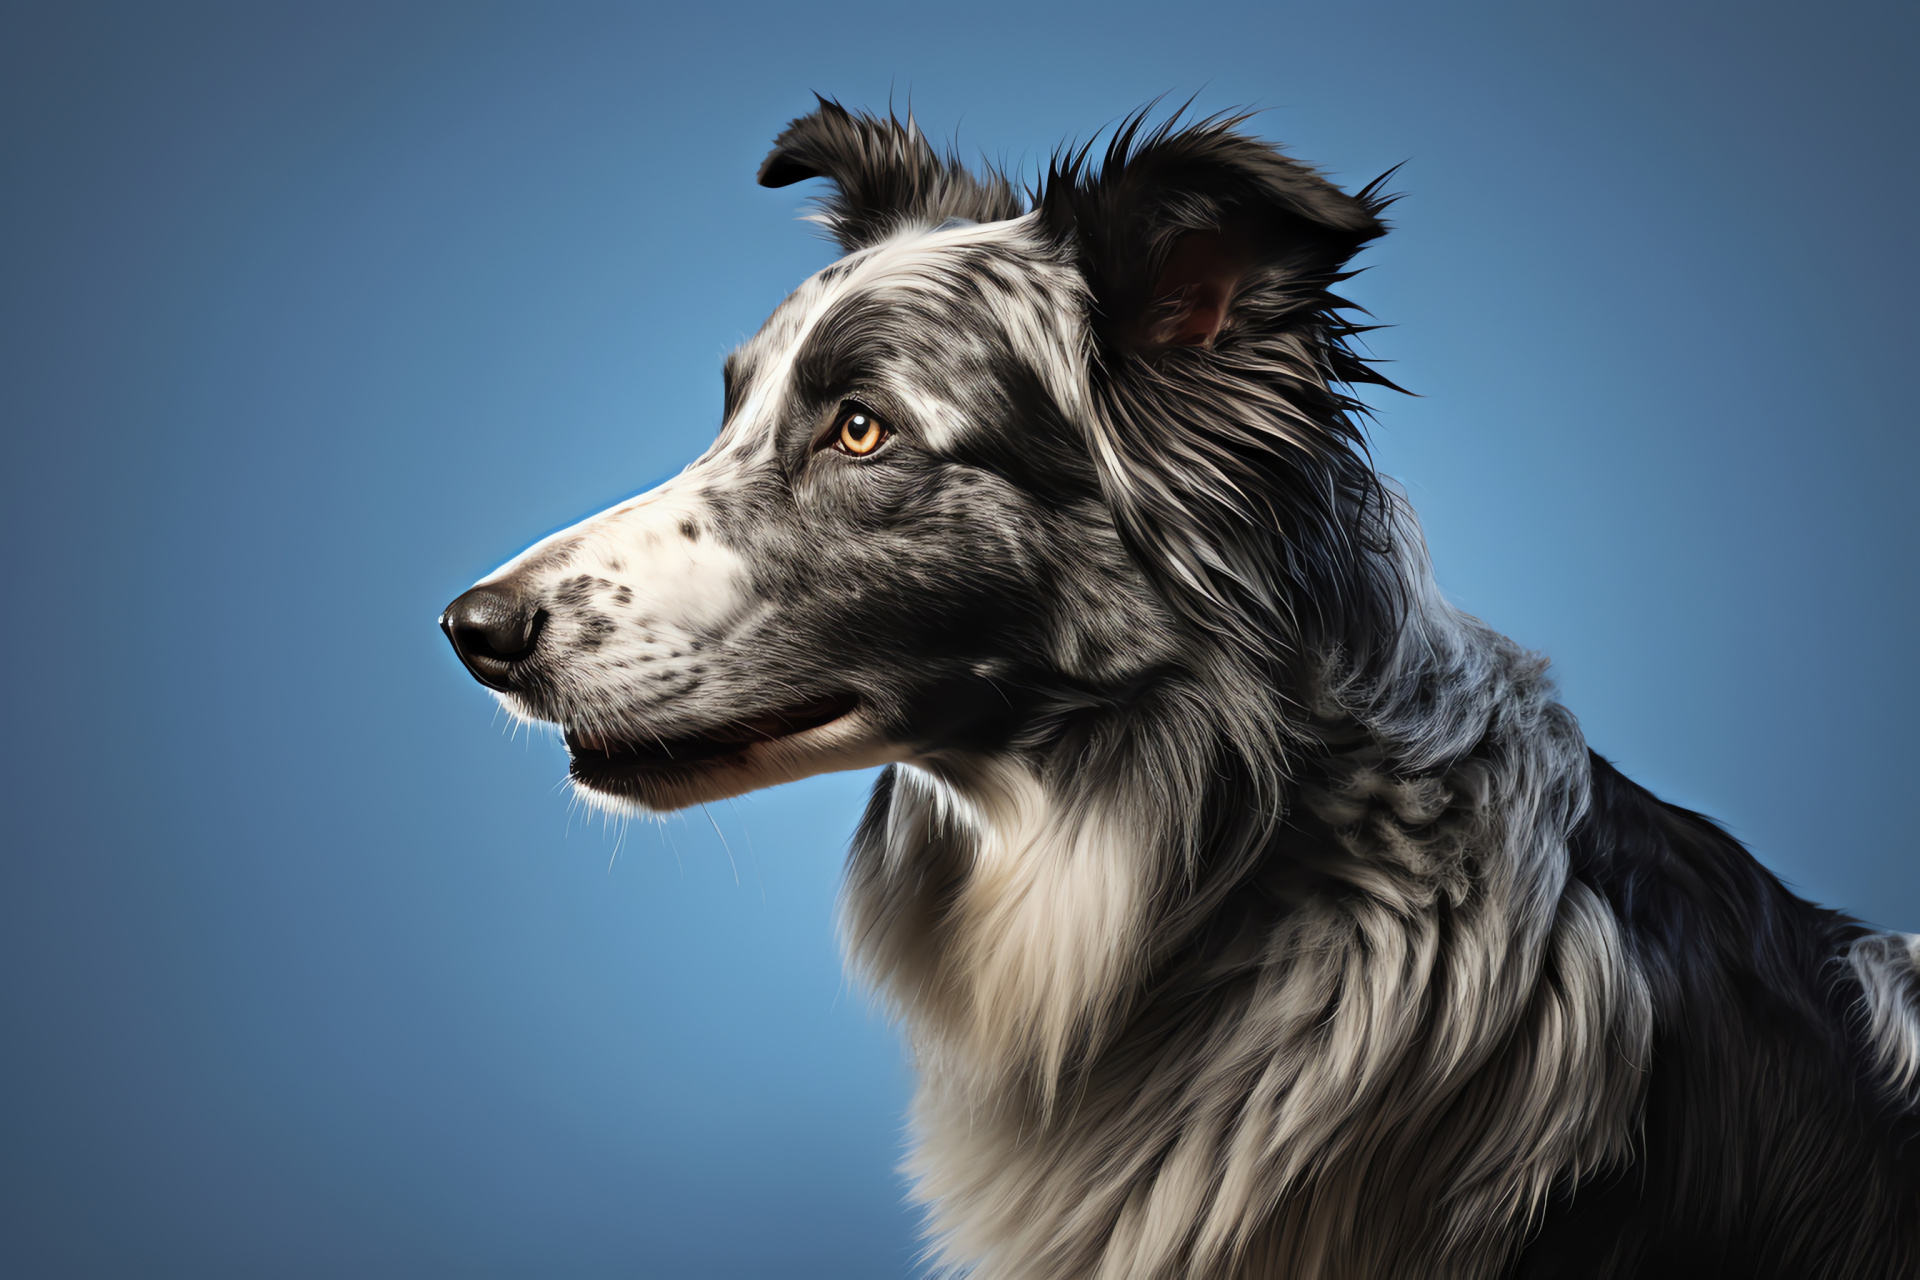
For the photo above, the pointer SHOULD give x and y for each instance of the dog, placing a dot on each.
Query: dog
(1251, 911)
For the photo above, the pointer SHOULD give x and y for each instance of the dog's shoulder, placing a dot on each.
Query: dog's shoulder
(1779, 1137)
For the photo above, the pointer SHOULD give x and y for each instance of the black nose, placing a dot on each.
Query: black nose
(494, 629)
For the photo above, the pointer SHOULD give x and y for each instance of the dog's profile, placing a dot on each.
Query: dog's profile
(1252, 911)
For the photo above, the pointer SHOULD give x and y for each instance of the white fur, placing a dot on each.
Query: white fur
(1888, 967)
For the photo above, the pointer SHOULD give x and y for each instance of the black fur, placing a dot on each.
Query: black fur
(1768, 1150)
(884, 173)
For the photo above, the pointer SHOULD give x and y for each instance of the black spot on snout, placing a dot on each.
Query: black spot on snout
(594, 630)
(690, 531)
(574, 592)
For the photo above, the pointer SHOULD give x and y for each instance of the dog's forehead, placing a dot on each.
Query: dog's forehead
(947, 288)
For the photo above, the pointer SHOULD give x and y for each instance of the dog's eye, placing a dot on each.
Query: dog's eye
(858, 431)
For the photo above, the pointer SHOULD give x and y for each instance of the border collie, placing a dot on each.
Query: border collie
(1251, 910)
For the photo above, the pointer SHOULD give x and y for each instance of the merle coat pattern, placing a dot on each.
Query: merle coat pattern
(1251, 911)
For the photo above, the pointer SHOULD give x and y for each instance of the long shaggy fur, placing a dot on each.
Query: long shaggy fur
(1252, 912)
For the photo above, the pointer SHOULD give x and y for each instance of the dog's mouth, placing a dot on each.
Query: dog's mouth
(613, 763)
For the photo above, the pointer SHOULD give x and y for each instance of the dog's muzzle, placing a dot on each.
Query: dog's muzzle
(494, 630)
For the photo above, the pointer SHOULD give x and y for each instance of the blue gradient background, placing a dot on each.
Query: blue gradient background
(312, 315)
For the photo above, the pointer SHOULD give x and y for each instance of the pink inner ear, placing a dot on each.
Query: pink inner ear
(1195, 289)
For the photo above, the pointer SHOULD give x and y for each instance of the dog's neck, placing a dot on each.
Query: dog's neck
(1043, 931)
(1376, 958)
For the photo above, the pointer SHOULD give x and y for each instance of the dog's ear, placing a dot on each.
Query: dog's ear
(885, 175)
(1220, 419)
(1181, 230)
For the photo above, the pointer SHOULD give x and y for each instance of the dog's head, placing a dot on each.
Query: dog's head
(996, 464)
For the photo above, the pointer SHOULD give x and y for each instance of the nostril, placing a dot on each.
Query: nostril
(508, 641)
(491, 629)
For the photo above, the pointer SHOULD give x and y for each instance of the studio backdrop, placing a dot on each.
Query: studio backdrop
(312, 314)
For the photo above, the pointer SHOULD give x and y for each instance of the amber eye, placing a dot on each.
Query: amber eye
(858, 431)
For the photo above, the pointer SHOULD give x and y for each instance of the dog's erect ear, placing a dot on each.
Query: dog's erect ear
(1228, 446)
(1180, 228)
(885, 175)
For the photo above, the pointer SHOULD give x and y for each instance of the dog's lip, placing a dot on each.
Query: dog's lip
(607, 751)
